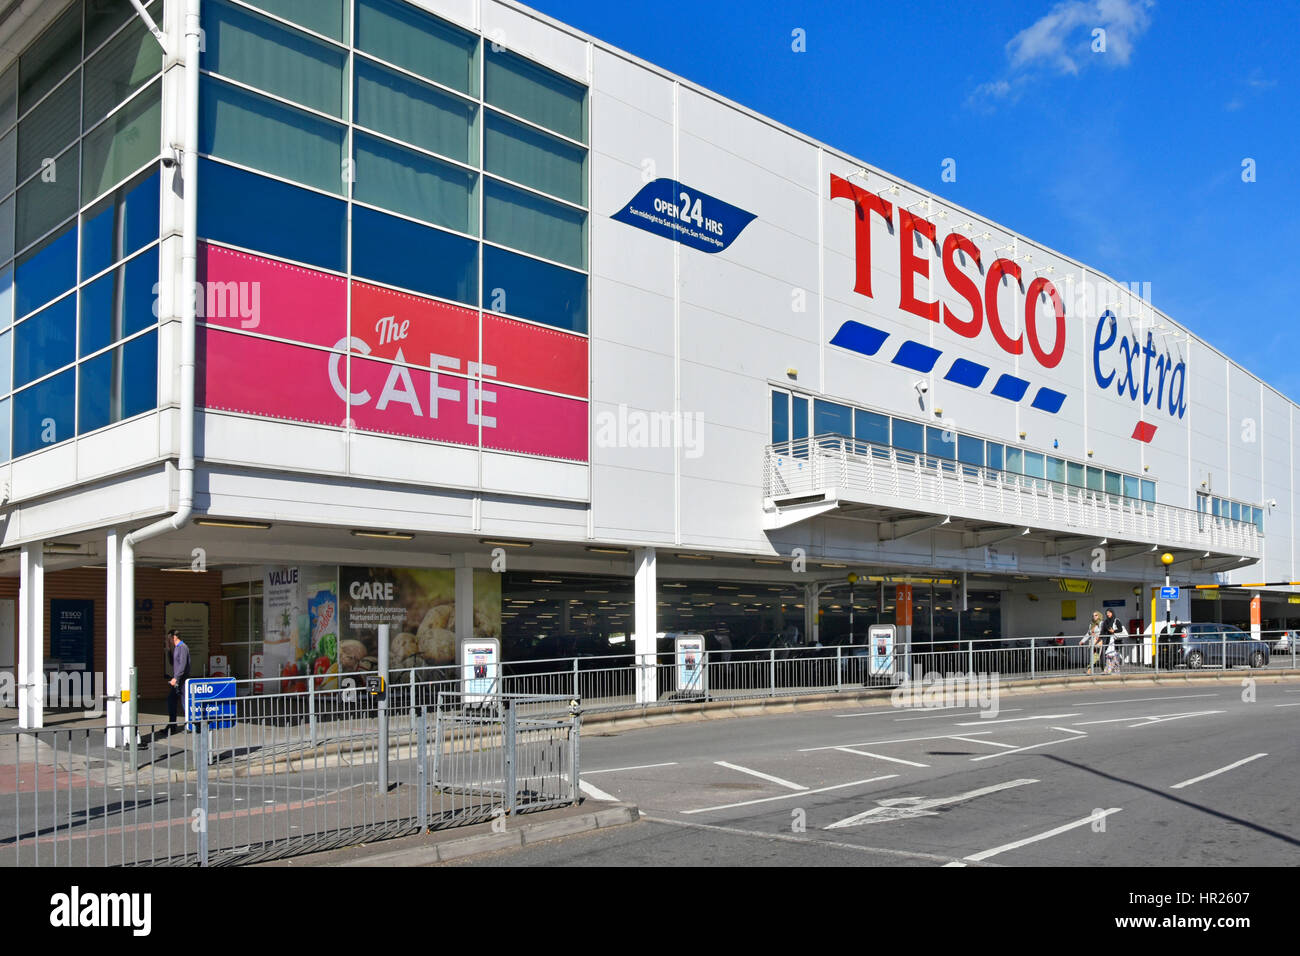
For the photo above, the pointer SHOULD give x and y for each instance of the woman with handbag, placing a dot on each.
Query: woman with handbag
(1093, 640)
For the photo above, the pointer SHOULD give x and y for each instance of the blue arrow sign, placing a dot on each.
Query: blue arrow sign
(1169, 594)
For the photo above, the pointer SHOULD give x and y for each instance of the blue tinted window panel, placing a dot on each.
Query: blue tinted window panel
(538, 291)
(120, 303)
(118, 384)
(909, 435)
(46, 271)
(405, 254)
(995, 458)
(780, 417)
(526, 89)
(1034, 465)
(6, 361)
(119, 225)
(140, 382)
(970, 450)
(44, 414)
(406, 109)
(530, 223)
(1074, 473)
(263, 215)
(5, 423)
(939, 441)
(870, 426)
(46, 341)
(1149, 494)
(529, 156)
(6, 297)
(97, 380)
(832, 419)
(1131, 487)
(414, 184)
(798, 418)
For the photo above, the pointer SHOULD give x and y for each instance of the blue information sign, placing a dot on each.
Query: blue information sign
(675, 211)
(211, 698)
(1169, 594)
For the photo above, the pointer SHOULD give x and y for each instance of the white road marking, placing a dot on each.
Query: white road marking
(1045, 743)
(895, 740)
(1215, 773)
(787, 796)
(644, 766)
(865, 753)
(1091, 818)
(991, 743)
(806, 841)
(761, 775)
(595, 792)
(1139, 700)
(1148, 721)
(905, 808)
(1012, 720)
(1286, 705)
(1010, 710)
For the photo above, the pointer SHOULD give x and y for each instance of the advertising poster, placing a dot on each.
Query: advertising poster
(480, 670)
(72, 634)
(690, 664)
(191, 619)
(419, 607)
(300, 627)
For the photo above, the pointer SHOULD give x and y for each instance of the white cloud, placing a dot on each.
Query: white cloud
(1063, 41)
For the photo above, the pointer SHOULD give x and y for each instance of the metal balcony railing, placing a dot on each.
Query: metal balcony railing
(855, 471)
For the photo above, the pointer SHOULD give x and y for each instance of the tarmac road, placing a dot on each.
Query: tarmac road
(1192, 776)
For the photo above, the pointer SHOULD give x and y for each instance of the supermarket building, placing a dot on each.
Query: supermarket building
(445, 314)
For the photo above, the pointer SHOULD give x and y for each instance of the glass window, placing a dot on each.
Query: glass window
(832, 419)
(1074, 473)
(1015, 460)
(537, 94)
(1056, 470)
(257, 213)
(44, 203)
(532, 224)
(118, 384)
(940, 442)
(1113, 483)
(1236, 511)
(531, 157)
(995, 456)
(7, 229)
(326, 17)
(44, 414)
(9, 96)
(1093, 479)
(122, 143)
(6, 299)
(798, 418)
(1131, 487)
(126, 63)
(1218, 507)
(272, 57)
(119, 304)
(53, 56)
(419, 42)
(538, 291)
(46, 341)
(413, 184)
(4, 429)
(1034, 465)
(254, 131)
(398, 106)
(46, 271)
(120, 224)
(1148, 492)
(870, 426)
(8, 162)
(402, 253)
(780, 417)
(6, 355)
(970, 450)
(48, 129)
(908, 435)
(1259, 519)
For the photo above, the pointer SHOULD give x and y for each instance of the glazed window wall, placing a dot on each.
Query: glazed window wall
(947, 450)
(465, 165)
(80, 135)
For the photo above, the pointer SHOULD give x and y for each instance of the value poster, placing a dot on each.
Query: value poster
(300, 627)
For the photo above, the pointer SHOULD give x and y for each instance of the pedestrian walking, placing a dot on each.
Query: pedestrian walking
(180, 674)
(1112, 632)
(1093, 641)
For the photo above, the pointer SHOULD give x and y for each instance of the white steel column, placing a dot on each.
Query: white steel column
(31, 637)
(646, 631)
(114, 669)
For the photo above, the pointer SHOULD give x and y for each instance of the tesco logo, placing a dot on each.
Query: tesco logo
(1044, 335)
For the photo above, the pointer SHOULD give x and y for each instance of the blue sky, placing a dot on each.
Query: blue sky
(1128, 160)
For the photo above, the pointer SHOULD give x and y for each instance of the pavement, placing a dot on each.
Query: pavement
(1197, 774)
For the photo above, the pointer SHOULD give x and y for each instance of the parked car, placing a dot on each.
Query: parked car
(1213, 645)
(1284, 643)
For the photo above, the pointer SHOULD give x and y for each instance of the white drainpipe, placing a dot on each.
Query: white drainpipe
(189, 262)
